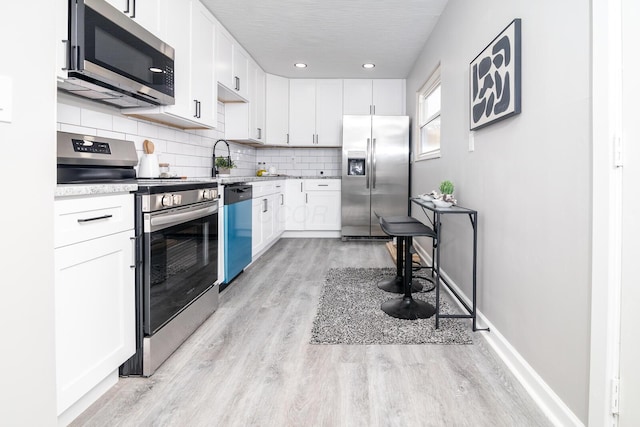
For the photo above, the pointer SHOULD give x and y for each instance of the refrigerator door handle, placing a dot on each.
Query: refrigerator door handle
(368, 160)
(373, 163)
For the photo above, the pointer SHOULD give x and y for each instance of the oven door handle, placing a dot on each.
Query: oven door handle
(181, 217)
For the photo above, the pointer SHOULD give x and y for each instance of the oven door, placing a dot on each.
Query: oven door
(180, 261)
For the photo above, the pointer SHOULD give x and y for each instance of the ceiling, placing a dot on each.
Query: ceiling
(334, 37)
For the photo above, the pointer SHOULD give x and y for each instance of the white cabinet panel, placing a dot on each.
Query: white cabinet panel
(329, 112)
(277, 110)
(383, 97)
(144, 12)
(302, 111)
(266, 216)
(191, 31)
(94, 292)
(323, 210)
(313, 204)
(245, 121)
(357, 96)
(315, 112)
(389, 97)
(224, 59)
(95, 308)
(231, 69)
(295, 210)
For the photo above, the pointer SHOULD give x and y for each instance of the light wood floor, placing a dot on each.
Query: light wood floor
(250, 363)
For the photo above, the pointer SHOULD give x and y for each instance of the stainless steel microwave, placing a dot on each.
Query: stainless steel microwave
(113, 59)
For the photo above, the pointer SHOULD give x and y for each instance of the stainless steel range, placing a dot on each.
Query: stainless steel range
(177, 223)
(176, 244)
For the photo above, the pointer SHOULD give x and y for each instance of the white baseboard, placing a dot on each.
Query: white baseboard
(312, 234)
(546, 399)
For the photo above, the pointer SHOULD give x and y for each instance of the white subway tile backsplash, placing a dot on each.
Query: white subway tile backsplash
(96, 119)
(124, 124)
(69, 114)
(77, 129)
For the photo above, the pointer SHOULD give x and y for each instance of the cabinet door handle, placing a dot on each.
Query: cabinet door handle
(96, 218)
(306, 197)
(265, 203)
(259, 133)
(66, 55)
(237, 82)
(287, 138)
(133, 252)
(301, 186)
(133, 15)
(281, 199)
(127, 9)
(196, 108)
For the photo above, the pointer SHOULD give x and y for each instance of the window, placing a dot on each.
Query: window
(428, 123)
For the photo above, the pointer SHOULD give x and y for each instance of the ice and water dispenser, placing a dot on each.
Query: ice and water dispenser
(356, 163)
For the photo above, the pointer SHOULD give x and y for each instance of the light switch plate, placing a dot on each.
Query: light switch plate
(472, 141)
(6, 99)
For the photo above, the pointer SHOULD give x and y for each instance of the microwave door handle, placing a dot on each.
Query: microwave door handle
(180, 218)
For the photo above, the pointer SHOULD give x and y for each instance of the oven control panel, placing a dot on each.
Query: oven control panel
(161, 201)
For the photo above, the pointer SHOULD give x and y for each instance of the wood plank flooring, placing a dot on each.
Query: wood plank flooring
(251, 364)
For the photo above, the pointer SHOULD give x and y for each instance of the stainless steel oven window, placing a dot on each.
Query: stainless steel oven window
(180, 261)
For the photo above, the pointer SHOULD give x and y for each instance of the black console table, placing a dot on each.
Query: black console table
(428, 206)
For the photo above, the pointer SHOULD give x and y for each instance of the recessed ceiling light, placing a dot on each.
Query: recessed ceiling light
(300, 65)
(368, 65)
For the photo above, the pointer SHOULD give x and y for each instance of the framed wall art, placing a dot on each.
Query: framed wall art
(495, 79)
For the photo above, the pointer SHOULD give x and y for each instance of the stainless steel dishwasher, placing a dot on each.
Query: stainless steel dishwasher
(237, 230)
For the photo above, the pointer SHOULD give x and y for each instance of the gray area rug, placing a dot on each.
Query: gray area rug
(349, 313)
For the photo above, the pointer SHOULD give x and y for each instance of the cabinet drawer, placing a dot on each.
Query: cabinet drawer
(261, 188)
(81, 219)
(322, 184)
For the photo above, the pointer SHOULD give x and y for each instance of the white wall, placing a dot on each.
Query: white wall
(530, 179)
(27, 150)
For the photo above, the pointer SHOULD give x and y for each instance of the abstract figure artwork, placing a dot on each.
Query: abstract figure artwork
(495, 79)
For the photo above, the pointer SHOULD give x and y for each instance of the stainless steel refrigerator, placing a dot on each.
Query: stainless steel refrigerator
(375, 172)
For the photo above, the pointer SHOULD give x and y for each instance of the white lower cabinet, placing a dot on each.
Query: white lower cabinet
(313, 204)
(94, 296)
(265, 216)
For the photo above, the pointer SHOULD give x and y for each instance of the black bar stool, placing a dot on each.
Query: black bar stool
(396, 284)
(406, 307)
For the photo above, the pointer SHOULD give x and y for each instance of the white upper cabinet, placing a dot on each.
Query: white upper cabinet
(201, 64)
(62, 38)
(245, 121)
(195, 105)
(277, 110)
(232, 69)
(302, 112)
(144, 12)
(315, 112)
(224, 59)
(382, 97)
(257, 96)
(329, 112)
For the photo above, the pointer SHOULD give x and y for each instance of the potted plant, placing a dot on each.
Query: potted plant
(446, 189)
(224, 165)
